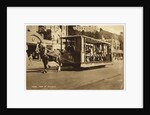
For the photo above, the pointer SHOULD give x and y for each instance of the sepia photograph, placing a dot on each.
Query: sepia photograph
(75, 57)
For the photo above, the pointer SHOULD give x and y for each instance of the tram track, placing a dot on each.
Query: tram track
(99, 81)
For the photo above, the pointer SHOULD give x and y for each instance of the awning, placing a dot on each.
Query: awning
(33, 38)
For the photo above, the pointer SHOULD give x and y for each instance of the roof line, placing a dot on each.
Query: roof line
(86, 37)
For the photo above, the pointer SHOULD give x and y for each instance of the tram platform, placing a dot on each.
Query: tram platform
(86, 65)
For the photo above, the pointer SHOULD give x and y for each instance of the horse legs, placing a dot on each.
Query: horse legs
(45, 62)
(58, 68)
(58, 64)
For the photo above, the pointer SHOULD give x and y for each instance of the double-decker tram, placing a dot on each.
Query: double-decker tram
(81, 51)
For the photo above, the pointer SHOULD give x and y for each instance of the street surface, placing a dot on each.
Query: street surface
(104, 78)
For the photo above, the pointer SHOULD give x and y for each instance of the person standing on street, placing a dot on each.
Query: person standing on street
(44, 57)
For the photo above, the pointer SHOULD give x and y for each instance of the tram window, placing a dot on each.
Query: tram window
(69, 45)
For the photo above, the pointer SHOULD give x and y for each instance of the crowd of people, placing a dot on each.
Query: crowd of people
(94, 53)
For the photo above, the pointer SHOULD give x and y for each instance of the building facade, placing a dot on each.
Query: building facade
(50, 35)
(116, 43)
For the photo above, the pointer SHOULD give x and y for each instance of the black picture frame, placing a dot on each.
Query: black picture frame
(64, 3)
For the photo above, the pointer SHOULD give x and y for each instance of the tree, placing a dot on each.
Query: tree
(97, 35)
(82, 32)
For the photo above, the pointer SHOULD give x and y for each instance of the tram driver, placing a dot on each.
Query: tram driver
(70, 47)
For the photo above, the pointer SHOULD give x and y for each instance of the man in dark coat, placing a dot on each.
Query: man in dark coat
(44, 57)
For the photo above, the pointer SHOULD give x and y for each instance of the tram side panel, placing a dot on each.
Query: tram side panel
(73, 57)
(77, 53)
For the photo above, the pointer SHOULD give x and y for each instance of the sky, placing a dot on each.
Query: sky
(113, 28)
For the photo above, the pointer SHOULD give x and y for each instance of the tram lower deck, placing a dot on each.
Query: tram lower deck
(83, 51)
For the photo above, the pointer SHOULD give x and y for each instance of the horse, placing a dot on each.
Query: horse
(49, 55)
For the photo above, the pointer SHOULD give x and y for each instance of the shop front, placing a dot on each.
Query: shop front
(117, 55)
(31, 42)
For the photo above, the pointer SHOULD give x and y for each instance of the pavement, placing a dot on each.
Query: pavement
(109, 77)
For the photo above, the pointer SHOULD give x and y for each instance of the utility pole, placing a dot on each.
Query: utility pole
(66, 30)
